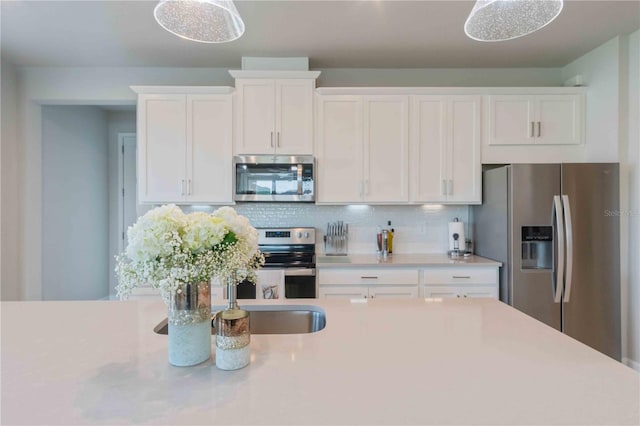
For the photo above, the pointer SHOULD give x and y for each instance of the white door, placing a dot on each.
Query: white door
(558, 119)
(463, 151)
(128, 205)
(209, 148)
(339, 149)
(294, 116)
(386, 148)
(428, 149)
(256, 116)
(511, 119)
(161, 150)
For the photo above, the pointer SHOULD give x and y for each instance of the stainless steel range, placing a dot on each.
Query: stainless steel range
(290, 265)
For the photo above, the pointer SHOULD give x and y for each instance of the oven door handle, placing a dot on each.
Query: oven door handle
(300, 272)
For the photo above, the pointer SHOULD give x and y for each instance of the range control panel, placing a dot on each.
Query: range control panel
(287, 236)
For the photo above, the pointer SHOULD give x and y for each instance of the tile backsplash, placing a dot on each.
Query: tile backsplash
(418, 229)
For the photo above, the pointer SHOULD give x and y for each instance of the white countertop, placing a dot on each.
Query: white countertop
(472, 361)
(399, 259)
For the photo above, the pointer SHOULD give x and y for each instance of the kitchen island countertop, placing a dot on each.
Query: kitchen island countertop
(422, 361)
(401, 259)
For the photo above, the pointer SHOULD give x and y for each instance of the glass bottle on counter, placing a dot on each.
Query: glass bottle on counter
(390, 238)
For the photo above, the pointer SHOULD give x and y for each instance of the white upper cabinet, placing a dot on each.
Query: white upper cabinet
(445, 149)
(339, 149)
(386, 149)
(274, 116)
(184, 146)
(362, 149)
(528, 119)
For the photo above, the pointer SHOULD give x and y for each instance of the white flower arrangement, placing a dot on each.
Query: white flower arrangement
(168, 249)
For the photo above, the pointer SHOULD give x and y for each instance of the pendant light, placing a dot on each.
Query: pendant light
(206, 21)
(499, 20)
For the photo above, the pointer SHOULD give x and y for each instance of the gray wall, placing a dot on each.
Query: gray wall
(9, 209)
(75, 209)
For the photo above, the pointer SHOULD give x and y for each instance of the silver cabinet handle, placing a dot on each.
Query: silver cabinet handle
(532, 129)
(443, 190)
(450, 186)
(278, 139)
(558, 277)
(369, 277)
(539, 126)
(569, 234)
(361, 188)
(366, 187)
(271, 139)
(461, 276)
(188, 186)
(182, 187)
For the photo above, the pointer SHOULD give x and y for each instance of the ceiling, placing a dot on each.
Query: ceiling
(344, 34)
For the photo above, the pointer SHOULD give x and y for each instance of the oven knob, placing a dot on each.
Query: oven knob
(306, 235)
(299, 234)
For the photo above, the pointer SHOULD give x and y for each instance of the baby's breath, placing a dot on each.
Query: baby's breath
(168, 249)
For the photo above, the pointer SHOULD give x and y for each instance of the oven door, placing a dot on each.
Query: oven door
(273, 178)
(300, 283)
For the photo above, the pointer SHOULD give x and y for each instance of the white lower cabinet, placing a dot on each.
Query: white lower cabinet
(368, 283)
(460, 282)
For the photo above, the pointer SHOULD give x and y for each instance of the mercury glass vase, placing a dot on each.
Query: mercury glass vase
(232, 334)
(190, 325)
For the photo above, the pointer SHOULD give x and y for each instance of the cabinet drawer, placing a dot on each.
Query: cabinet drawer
(370, 276)
(453, 291)
(463, 275)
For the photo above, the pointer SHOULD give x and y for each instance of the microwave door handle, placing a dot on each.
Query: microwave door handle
(558, 275)
(299, 179)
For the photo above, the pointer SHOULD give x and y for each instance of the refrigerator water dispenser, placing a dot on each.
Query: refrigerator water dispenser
(537, 247)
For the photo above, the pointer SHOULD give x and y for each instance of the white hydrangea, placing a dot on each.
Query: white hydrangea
(168, 249)
(203, 231)
(156, 233)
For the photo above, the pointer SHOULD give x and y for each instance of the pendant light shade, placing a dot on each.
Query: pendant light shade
(499, 20)
(206, 21)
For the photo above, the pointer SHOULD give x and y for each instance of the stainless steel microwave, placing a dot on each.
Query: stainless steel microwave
(274, 178)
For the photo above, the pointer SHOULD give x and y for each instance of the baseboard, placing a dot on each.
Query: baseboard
(631, 363)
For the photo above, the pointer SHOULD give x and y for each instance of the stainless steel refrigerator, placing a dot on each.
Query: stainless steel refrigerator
(555, 228)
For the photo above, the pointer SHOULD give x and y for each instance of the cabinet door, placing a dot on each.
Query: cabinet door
(386, 149)
(339, 149)
(294, 117)
(464, 168)
(209, 148)
(161, 148)
(342, 292)
(428, 149)
(510, 120)
(393, 292)
(256, 116)
(559, 120)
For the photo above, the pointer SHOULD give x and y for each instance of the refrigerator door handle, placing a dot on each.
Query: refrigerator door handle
(569, 234)
(558, 277)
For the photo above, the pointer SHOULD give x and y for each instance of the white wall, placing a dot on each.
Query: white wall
(10, 151)
(633, 158)
(74, 203)
(118, 122)
(600, 69)
(443, 77)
